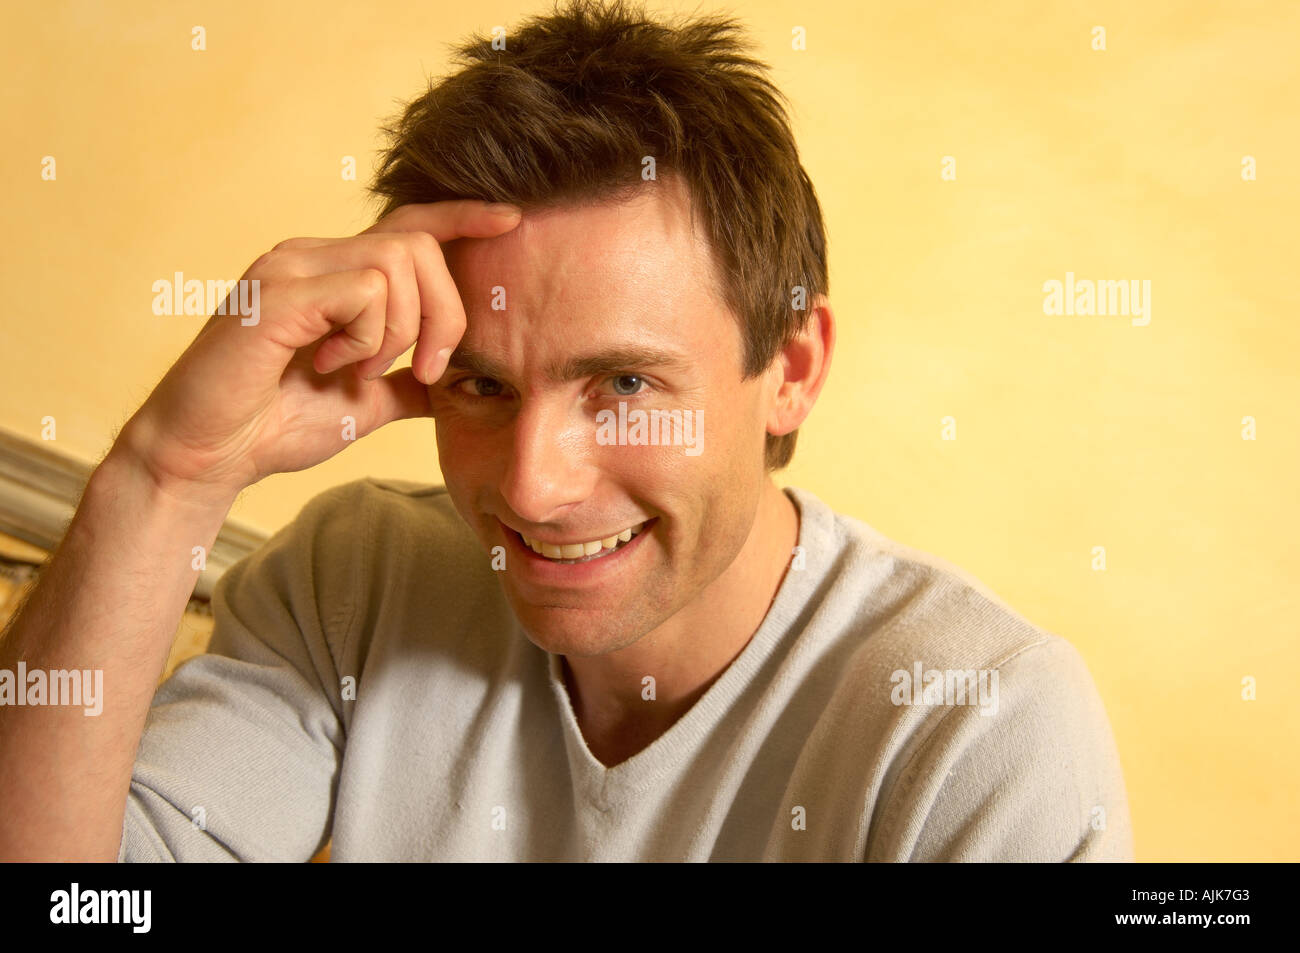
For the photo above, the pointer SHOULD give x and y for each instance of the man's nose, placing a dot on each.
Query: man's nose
(549, 469)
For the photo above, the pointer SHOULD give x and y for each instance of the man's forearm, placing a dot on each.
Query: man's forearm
(109, 601)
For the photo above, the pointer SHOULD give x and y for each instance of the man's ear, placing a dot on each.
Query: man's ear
(800, 369)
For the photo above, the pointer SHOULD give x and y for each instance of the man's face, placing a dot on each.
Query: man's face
(602, 304)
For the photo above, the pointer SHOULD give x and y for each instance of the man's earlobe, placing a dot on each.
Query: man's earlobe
(801, 368)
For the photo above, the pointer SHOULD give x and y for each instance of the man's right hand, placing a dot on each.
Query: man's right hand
(245, 401)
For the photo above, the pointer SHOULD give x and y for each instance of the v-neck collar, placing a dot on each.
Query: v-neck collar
(605, 787)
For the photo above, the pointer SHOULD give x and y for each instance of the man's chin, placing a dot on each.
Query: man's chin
(576, 632)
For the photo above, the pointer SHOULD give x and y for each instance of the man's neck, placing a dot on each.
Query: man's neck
(688, 653)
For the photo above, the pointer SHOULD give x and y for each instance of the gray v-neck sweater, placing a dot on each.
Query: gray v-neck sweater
(367, 682)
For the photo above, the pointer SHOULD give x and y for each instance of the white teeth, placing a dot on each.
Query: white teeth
(582, 550)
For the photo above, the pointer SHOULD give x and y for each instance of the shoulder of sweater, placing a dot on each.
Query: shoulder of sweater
(378, 532)
(391, 549)
(881, 611)
(910, 606)
(394, 505)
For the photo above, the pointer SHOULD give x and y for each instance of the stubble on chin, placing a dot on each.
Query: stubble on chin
(581, 632)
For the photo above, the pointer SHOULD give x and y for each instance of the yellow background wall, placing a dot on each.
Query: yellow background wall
(1072, 431)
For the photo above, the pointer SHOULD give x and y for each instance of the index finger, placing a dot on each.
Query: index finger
(451, 219)
(442, 318)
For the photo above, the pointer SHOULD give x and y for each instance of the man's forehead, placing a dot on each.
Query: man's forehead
(644, 247)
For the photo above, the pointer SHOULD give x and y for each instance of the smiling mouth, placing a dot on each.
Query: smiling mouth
(570, 553)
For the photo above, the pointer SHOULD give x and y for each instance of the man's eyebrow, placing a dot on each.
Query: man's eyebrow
(578, 366)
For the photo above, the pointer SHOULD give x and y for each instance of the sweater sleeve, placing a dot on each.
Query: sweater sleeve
(1038, 780)
(242, 746)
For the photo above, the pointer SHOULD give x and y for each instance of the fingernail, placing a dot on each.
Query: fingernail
(439, 365)
(504, 208)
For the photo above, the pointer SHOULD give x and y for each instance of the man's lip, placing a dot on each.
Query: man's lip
(571, 539)
(582, 573)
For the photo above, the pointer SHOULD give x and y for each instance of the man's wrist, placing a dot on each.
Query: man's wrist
(127, 467)
(125, 474)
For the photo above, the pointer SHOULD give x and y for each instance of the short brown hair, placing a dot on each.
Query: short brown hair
(566, 113)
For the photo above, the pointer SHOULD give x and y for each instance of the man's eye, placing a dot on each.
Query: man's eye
(625, 385)
(479, 387)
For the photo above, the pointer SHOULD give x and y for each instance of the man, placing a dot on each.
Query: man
(610, 636)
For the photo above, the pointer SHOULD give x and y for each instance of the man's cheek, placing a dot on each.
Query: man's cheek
(463, 456)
